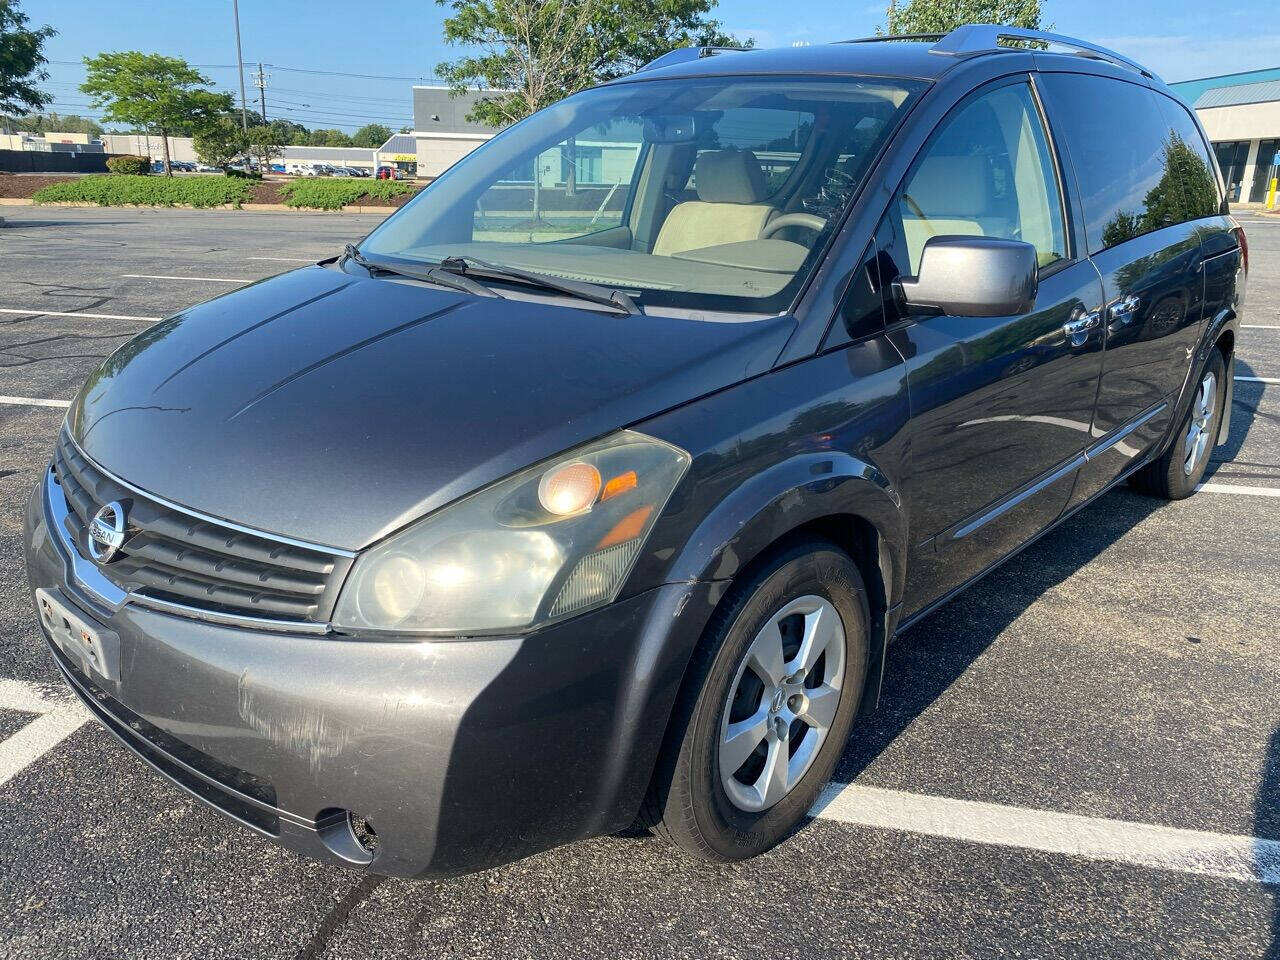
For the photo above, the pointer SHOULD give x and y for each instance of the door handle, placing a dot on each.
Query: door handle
(1123, 310)
(1077, 330)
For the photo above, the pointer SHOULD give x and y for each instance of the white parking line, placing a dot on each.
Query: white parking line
(287, 259)
(1258, 379)
(59, 717)
(37, 312)
(1141, 844)
(1260, 326)
(148, 276)
(1240, 491)
(34, 402)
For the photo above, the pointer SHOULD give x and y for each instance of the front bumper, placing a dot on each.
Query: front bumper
(462, 754)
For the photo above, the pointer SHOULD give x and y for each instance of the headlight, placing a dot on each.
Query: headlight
(546, 543)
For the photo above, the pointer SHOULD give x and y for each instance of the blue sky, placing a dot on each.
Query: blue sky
(1179, 39)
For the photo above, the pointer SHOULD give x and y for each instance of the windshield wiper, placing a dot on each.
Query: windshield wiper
(591, 292)
(434, 275)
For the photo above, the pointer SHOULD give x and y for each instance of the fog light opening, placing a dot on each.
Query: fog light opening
(347, 835)
(366, 836)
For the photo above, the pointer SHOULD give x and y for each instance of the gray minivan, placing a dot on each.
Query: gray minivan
(590, 488)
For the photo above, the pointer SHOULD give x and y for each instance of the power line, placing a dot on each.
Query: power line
(321, 109)
(335, 73)
(276, 66)
(340, 96)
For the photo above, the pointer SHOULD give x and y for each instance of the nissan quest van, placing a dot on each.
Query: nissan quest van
(591, 486)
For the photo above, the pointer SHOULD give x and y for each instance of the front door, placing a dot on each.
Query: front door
(1001, 406)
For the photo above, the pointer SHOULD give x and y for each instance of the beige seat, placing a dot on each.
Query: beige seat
(729, 207)
(948, 196)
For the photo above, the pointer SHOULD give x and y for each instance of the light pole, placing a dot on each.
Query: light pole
(244, 112)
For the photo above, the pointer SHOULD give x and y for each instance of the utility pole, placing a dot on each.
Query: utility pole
(244, 110)
(260, 81)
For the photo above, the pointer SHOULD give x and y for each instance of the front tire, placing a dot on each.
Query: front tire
(768, 702)
(1176, 475)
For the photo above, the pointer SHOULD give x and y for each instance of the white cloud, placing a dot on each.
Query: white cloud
(1181, 57)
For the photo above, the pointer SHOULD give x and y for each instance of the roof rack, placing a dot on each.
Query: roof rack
(986, 37)
(687, 54)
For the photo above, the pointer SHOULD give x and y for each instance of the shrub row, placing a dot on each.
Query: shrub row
(119, 190)
(127, 163)
(336, 194)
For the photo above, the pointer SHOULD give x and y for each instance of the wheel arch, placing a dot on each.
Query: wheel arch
(838, 498)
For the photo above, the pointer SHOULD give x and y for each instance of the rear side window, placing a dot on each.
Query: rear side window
(1136, 171)
(1188, 160)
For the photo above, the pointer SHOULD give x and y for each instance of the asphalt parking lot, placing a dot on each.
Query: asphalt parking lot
(1079, 757)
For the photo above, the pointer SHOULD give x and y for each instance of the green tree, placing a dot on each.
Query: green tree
(371, 135)
(53, 122)
(162, 95)
(289, 132)
(329, 138)
(221, 142)
(943, 16)
(22, 61)
(532, 53)
(264, 143)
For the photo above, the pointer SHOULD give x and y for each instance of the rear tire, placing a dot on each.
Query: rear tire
(1176, 474)
(767, 705)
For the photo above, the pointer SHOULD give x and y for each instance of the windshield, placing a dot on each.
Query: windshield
(708, 194)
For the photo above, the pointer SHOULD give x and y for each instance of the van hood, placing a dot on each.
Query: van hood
(336, 409)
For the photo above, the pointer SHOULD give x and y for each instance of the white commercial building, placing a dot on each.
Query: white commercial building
(1241, 114)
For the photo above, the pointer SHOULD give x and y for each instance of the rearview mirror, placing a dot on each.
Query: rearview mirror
(668, 129)
(974, 277)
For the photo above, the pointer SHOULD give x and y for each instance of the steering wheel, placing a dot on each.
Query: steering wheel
(807, 220)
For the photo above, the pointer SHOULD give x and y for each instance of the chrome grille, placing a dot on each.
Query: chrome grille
(197, 562)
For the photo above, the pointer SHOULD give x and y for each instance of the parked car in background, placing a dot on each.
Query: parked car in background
(277, 168)
(386, 173)
(630, 547)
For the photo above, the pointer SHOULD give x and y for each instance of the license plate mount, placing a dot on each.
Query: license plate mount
(87, 643)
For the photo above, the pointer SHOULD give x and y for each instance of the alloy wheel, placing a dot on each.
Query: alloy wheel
(1202, 410)
(782, 703)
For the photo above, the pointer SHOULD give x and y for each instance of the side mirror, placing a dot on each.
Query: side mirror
(974, 277)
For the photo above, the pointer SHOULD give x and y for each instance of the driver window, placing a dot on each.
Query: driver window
(987, 173)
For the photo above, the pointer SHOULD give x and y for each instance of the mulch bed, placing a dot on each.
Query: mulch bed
(18, 187)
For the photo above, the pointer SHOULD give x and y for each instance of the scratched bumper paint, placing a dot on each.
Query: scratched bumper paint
(462, 753)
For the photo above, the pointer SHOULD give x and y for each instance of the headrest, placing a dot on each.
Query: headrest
(729, 176)
(956, 185)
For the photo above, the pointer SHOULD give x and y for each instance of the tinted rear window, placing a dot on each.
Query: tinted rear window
(1137, 166)
(1189, 158)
